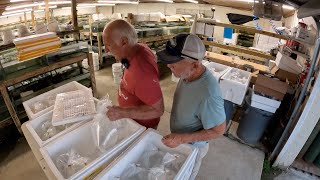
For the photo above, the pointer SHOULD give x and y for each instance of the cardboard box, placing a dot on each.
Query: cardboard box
(271, 87)
(284, 75)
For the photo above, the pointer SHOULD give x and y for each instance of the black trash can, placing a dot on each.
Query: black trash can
(253, 123)
(229, 109)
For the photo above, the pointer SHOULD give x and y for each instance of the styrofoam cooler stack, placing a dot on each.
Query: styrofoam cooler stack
(218, 70)
(36, 130)
(82, 140)
(135, 151)
(117, 72)
(234, 88)
(95, 57)
(264, 103)
(47, 99)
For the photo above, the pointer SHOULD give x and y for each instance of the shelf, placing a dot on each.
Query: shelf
(241, 27)
(240, 49)
(152, 39)
(301, 41)
(6, 122)
(297, 52)
(6, 47)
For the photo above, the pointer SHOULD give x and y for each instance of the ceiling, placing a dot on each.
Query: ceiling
(239, 4)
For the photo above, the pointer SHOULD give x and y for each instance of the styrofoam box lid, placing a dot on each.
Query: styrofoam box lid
(34, 127)
(72, 86)
(243, 73)
(82, 140)
(132, 155)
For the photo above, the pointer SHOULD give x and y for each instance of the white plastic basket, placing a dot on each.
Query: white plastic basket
(134, 152)
(231, 89)
(29, 104)
(82, 140)
(34, 127)
(71, 107)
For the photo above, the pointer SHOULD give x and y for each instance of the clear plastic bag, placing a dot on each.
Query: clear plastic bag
(49, 130)
(107, 133)
(155, 164)
(71, 162)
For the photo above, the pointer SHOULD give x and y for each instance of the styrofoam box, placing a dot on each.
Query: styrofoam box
(220, 69)
(288, 64)
(264, 103)
(134, 152)
(232, 90)
(81, 139)
(34, 127)
(72, 86)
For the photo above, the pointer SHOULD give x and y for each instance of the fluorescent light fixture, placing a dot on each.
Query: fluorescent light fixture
(95, 4)
(288, 7)
(191, 1)
(18, 0)
(81, 7)
(23, 6)
(118, 2)
(167, 1)
(59, 2)
(15, 12)
(66, 8)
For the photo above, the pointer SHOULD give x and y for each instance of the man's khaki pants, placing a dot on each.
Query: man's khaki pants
(203, 149)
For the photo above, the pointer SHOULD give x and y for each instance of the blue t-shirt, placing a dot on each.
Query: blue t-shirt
(197, 105)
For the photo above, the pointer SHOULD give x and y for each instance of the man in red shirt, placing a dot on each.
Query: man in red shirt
(139, 97)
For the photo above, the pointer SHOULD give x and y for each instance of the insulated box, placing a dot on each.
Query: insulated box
(134, 152)
(218, 70)
(264, 103)
(35, 128)
(233, 90)
(288, 64)
(49, 96)
(271, 87)
(82, 140)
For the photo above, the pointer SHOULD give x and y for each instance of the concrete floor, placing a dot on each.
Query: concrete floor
(226, 159)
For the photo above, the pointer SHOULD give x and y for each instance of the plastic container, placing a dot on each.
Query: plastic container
(218, 70)
(132, 155)
(50, 97)
(7, 36)
(253, 123)
(74, 106)
(82, 140)
(313, 151)
(35, 128)
(232, 88)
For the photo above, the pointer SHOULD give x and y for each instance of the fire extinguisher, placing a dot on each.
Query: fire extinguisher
(304, 74)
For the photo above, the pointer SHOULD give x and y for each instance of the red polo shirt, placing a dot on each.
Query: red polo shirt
(140, 83)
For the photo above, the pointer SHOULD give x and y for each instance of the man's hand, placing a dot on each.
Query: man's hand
(115, 113)
(172, 140)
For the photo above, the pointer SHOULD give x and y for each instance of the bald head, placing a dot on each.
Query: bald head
(121, 30)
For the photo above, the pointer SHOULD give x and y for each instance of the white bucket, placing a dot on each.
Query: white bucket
(41, 28)
(23, 31)
(53, 26)
(7, 36)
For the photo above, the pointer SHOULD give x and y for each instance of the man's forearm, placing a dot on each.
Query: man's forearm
(203, 135)
(141, 112)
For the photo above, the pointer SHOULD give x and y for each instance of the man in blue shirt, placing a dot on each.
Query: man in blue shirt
(198, 111)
